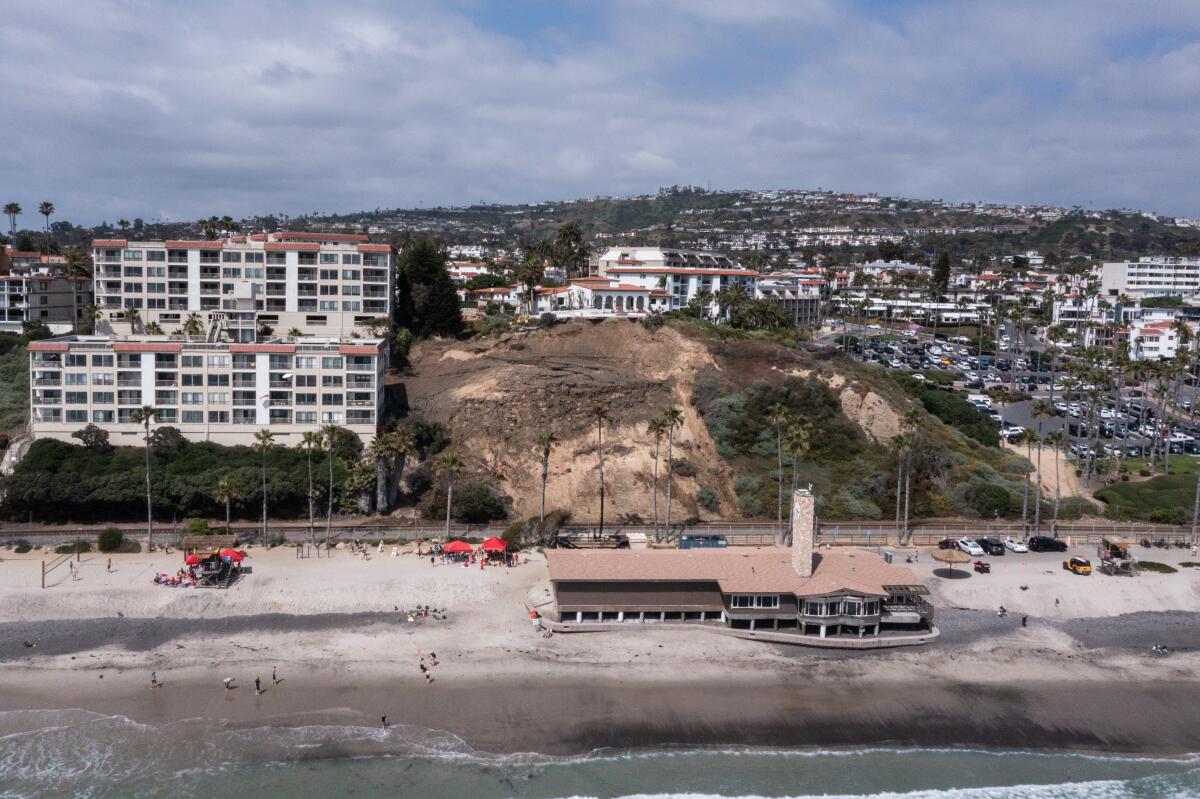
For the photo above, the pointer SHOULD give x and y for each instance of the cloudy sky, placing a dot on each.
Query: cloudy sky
(183, 109)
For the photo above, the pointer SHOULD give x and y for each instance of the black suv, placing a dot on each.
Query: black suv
(1041, 543)
(992, 546)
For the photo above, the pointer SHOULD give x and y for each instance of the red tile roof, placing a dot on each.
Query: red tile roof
(147, 346)
(359, 349)
(109, 242)
(48, 346)
(194, 245)
(277, 349)
(291, 246)
(304, 236)
(675, 270)
(374, 248)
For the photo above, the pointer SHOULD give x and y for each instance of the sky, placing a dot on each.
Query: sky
(178, 110)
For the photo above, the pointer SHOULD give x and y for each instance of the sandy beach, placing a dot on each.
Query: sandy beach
(1078, 676)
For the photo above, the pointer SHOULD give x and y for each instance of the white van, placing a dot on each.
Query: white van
(980, 399)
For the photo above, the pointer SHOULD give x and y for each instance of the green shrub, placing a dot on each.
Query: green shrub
(197, 527)
(989, 500)
(78, 546)
(476, 503)
(706, 497)
(22, 547)
(110, 539)
(1175, 515)
(1157, 568)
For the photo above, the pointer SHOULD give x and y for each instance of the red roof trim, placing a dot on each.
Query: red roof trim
(348, 237)
(675, 270)
(269, 348)
(47, 346)
(110, 242)
(358, 349)
(374, 248)
(291, 246)
(193, 245)
(147, 346)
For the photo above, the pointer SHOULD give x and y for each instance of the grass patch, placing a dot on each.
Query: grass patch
(1190, 564)
(1180, 464)
(1159, 499)
(1156, 567)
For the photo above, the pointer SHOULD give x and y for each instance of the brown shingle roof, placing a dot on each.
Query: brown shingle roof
(740, 570)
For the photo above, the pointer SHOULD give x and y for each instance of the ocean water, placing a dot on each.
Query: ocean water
(81, 754)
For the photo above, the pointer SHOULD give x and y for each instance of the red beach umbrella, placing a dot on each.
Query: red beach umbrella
(494, 544)
(457, 547)
(192, 559)
(233, 555)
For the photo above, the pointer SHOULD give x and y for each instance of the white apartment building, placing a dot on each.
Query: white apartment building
(36, 288)
(681, 273)
(211, 391)
(324, 284)
(1151, 276)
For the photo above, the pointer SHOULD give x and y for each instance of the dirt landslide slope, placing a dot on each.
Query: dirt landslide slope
(495, 395)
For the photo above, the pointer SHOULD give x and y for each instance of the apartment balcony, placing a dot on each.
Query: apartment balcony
(303, 292)
(361, 403)
(280, 403)
(281, 384)
(109, 271)
(43, 400)
(245, 403)
(46, 363)
(370, 292)
(245, 384)
(163, 382)
(129, 382)
(47, 381)
(360, 367)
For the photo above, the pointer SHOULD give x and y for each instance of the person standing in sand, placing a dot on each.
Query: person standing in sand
(109, 567)
(153, 679)
(228, 681)
(257, 687)
(274, 678)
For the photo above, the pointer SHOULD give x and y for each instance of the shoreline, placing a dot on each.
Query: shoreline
(562, 717)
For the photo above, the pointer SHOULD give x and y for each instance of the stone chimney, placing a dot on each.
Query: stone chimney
(804, 531)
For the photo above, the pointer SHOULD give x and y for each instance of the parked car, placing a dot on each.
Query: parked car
(1041, 543)
(1013, 545)
(970, 546)
(947, 543)
(1078, 565)
(992, 546)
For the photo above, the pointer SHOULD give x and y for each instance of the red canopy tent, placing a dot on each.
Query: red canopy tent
(233, 555)
(494, 544)
(192, 559)
(456, 547)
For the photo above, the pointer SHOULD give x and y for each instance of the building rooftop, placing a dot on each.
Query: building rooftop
(738, 570)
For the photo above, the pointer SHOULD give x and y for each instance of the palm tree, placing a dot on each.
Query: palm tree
(545, 441)
(294, 333)
(672, 418)
(910, 423)
(1057, 440)
(153, 329)
(1042, 410)
(46, 209)
(226, 491)
(797, 440)
(134, 317)
(78, 266)
(192, 326)
(453, 465)
(329, 438)
(778, 416)
(656, 428)
(91, 313)
(12, 211)
(264, 442)
(380, 450)
(309, 443)
(144, 416)
(899, 446)
(600, 414)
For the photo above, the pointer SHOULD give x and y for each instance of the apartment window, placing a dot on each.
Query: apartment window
(167, 415)
(164, 397)
(352, 258)
(280, 362)
(374, 260)
(328, 305)
(231, 257)
(329, 258)
(329, 381)
(74, 359)
(245, 416)
(102, 398)
(76, 379)
(192, 361)
(218, 398)
(133, 288)
(306, 417)
(306, 258)
(754, 601)
(192, 417)
(132, 255)
(305, 398)
(158, 303)
(218, 379)
(102, 361)
(331, 362)
(192, 380)
(102, 379)
(306, 362)
(156, 255)
(349, 305)
(133, 302)
(218, 361)
(79, 417)
(192, 397)
(331, 399)
(329, 274)
(156, 288)
(232, 272)
(353, 290)
(332, 417)
(254, 257)
(156, 271)
(76, 398)
(351, 274)
(306, 274)
(329, 291)
(254, 273)
(102, 417)
(177, 256)
(132, 271)
(218, 417)
(314, 321)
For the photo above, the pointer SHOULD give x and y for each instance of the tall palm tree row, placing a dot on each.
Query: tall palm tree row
(656, 428)
(144, 416)
(225, 492)
(452, 465)
(264, 442)
(545, 441)
(600, 414)
(46, 209)
(309, 443)
(778, 416)
(673, 418)
(12, 211)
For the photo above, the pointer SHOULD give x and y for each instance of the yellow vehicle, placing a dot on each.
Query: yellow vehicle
(1078, 565)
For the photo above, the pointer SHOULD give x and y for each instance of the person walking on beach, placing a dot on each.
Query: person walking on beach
(274, 677)
(153, 679)
(109, 567)
(383, 722)
(257, 687)
(228, 681)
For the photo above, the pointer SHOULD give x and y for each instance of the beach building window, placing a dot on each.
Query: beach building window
(754, 601)
(852, 606)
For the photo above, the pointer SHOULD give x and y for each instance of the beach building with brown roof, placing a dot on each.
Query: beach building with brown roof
(802, 590)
